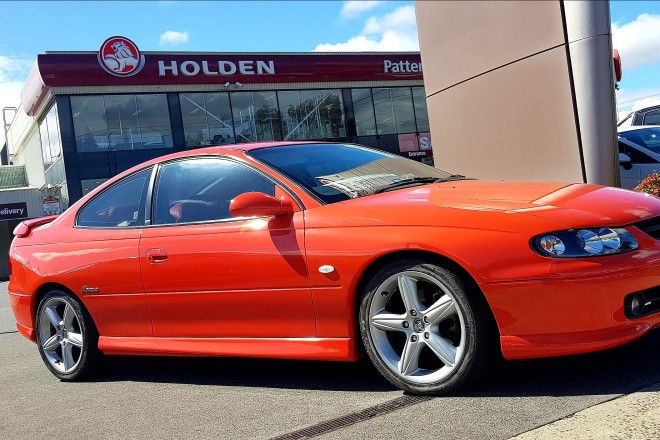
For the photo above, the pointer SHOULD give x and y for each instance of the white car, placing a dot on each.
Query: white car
(639, 153)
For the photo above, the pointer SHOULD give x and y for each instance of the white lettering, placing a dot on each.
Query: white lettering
(246, 67)
(223, 70)
(263, 68)
(205, 69)
(401, 67)
(186, 64)
(192, 68)
(162, 68)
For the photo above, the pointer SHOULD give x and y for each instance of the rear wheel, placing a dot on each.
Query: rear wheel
(422, 328)
(66, 336)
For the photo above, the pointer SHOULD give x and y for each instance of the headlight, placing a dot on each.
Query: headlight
(584, 243)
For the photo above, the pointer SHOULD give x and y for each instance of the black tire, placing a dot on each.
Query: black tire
(80, 329)
(475, 326)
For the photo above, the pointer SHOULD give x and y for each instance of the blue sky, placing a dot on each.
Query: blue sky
(29, 28)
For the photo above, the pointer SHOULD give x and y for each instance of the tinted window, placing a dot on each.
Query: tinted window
(121, 205)
(121, 122)
(652, 118)
(207, 118)
(421, 113)
(647, 137)
(364, 112)
(256, 117)
(312, 114)
(635, 155)
(335, 172)
(197, 190)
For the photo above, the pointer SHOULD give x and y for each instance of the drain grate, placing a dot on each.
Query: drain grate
(351, 419)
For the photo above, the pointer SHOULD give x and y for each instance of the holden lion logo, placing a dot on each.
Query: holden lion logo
(119, 56)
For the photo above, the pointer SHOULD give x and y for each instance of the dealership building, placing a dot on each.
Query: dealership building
(87, 116)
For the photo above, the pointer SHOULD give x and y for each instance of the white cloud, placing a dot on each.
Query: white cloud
(13, 73)
(638, 41)
(173, 38)
(394, 31)
(355, 8)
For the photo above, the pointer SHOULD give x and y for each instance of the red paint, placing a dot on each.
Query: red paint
(84, 69)
(251, 287)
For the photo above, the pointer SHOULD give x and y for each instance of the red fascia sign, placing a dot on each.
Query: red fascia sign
(61, 70)
(119, 62)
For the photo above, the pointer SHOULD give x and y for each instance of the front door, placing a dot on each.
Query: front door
(207, 274)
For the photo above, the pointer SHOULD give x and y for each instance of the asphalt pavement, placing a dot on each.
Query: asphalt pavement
(224, 398)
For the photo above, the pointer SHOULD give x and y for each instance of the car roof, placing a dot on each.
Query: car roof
(635, 127)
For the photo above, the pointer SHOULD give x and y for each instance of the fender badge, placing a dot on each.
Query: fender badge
(86, 289)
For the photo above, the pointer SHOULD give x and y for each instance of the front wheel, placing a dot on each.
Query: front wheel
(422, 329)
(66, 336)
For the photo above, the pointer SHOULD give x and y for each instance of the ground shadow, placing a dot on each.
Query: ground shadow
(616, 371)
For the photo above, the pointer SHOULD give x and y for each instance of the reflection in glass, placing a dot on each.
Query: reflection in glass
(421, 114)
(121, 122)
(256, 117)
(312, 114)
(49, 135)
(363, 107)
(403, 110)
(394, 110)
(384, 111)
(206, 119)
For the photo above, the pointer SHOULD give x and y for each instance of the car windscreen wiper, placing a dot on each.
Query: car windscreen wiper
(407, 182)
(454, 177)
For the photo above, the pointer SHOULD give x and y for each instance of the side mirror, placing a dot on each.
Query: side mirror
(625, 161)
(258, 204)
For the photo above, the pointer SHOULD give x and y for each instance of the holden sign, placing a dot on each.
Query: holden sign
(119, 56)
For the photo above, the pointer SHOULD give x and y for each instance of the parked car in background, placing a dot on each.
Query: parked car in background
(644, 116)
(326, 251)
(639, 153)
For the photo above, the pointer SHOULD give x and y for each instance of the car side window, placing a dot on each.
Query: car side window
(652, 118)
(198, 190)
(635, 155)
(121, 205)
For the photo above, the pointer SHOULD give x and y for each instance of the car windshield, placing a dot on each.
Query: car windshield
(337, 172)
(646, 137)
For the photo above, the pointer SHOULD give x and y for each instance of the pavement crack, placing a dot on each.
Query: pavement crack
(9, 332)
(353, 418)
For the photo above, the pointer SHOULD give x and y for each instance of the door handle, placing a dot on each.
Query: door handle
(156, 256)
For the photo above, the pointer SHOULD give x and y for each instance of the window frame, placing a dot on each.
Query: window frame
(152, 185)
(144, 199)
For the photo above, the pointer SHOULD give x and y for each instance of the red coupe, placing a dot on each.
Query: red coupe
(327, 251)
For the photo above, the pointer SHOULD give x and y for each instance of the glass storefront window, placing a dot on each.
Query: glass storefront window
(312, 114)
(421, 114)
(49, 134)
(384, 111)
(121, 122)
(403, 110)
(363, 107)
(256, 116)
(206, 119)
(394, 110)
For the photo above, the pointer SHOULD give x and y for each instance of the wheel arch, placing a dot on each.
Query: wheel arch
(47, 287)
(429, 257)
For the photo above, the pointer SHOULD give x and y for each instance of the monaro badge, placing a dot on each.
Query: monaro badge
(86, 289)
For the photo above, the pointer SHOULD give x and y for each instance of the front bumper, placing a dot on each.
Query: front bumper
(578, 309)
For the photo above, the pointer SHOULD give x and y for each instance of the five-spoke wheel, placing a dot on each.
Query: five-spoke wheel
(419, 328)
(63, 336)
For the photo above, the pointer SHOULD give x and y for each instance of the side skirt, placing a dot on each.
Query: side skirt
(326, 349)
